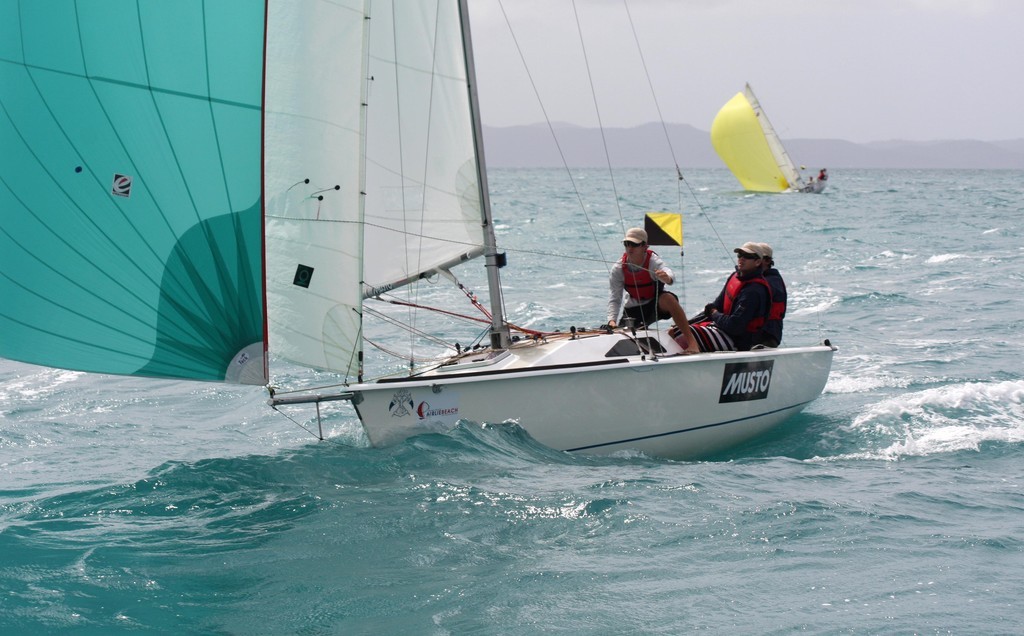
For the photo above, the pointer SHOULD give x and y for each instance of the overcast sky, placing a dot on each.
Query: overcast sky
(859, 70)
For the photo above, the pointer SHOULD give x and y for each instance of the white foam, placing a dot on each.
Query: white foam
(814, 309)
(947, 419)
(892, 254)
(824, 298)
(944, 258)
(862, 383)
(37, 384)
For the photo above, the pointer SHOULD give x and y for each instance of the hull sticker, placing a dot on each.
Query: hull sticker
(744, 381)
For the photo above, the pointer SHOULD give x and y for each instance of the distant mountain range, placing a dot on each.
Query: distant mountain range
(644, 146)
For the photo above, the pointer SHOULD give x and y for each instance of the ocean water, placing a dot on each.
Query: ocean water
(893, 504)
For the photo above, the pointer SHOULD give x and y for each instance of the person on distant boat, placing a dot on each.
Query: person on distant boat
(771, 333)
(642, 275)
(742, 307)
(823, 175)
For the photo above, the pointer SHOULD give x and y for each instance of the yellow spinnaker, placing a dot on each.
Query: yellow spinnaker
(739, 139)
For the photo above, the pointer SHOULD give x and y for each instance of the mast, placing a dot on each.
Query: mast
(500, 338)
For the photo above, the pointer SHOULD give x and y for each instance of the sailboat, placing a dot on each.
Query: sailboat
(214, 191)
(747, 143)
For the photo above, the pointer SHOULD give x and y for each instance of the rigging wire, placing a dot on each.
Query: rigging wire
(319, 436)
(668, 139)
(525, 330)
(514, 250)
(611, 175)
(401, 152)
(600, 123)
(412, 329)
(680, 177)
(554, 137)
(426, 167)
(412, 235)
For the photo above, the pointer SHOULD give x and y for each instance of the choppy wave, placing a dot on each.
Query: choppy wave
(890, 504)
(947, 419)
(944, 258)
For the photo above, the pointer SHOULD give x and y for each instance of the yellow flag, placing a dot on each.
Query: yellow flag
(664, 228)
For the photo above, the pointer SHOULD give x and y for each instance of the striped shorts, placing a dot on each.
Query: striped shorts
(710, 338)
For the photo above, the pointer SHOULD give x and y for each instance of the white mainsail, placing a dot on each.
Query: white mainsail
(313, 143)
(394, 135)
(422, 208)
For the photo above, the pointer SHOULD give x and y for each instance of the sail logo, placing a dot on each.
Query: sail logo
(743, 381)
(399, 401)
(303, 274)
(371, 292)
(122, 186)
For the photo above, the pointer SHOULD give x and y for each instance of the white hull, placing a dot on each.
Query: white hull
(570, 396)
(815, 187)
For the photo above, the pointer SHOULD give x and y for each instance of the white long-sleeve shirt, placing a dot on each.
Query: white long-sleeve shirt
(617, 284)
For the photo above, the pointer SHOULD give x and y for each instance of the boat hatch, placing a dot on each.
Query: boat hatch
(492, 357)
(636, 347)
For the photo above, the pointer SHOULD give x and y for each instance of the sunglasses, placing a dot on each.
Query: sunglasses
(745, 255)
(631, 244)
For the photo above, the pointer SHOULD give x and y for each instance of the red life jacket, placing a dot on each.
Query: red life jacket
(732, 291)
(640, 284)
(778, 310)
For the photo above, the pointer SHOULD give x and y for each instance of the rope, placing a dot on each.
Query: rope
(526, 330)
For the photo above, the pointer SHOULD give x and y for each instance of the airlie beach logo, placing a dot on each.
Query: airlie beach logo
(426, 412)
(743, 381)
(442, 408)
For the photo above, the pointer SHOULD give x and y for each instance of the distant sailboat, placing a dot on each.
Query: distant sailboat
(223, 186)
(747, 143)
